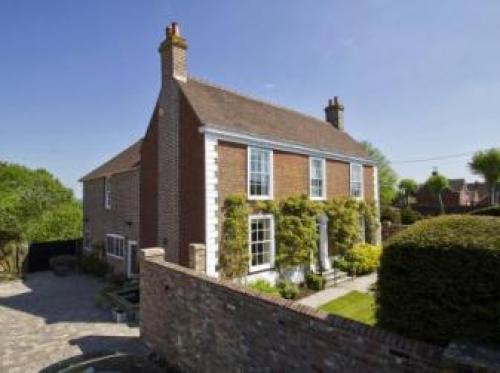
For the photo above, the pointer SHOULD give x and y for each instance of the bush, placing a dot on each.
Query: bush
(409, 216)
(287, 289)
(389, 213)
(363, 258)
(439, 280)
(94, 265)
(315, 281)
(68, 261)
(487, 211)
(264, 286)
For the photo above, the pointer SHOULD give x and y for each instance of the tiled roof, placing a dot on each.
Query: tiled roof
(222, 109)
(127, 160)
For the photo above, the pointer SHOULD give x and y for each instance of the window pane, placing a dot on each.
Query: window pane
(260, 172)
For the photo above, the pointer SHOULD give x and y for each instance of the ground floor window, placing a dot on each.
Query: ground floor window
(115, 245)
(261, 242)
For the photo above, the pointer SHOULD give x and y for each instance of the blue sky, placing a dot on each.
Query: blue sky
(78, 79)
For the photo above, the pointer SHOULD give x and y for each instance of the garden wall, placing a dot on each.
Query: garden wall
(203, 324)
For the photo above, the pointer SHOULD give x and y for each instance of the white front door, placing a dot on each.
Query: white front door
(132, 263)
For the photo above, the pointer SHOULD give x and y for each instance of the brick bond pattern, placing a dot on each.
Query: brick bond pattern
(205, 324)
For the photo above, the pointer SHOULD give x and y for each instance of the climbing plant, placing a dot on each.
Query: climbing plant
(234, 255)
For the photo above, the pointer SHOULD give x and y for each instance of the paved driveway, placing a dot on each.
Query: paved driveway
(47, 319)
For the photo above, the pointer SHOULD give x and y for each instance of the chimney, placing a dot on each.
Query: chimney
(334, 113)
(173, 55)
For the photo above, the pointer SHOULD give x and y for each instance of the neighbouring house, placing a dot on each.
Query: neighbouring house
(461, 196)
(111, 210)
(205, 143)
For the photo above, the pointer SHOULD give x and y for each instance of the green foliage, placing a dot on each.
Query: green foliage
(436, 184)
(315, 281)
(407, 189)
(296, 233)
(389, 213)
(234, 255)
(487, 211)
(439, 280)
(263, 286)
(13, 252)
(94, 264)
(387, 177)
(487, 164)
(363, 258)
(36, 204)
(287, 289)
(409, 216)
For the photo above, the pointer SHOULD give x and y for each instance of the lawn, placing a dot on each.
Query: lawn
(354, 305)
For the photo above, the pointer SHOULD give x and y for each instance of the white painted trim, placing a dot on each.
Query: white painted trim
(362, 194)
(376, 197)
(106, 246)
(258, 141)
(269, 196)
(323, 167)
(266, 266)
(211, 205)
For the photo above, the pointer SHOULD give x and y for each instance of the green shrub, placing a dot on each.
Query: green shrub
(487, 211)
(315, 281)
(263, 286)
(389, 213)
(363, 258)
(439, 280)
(287, 289)
(68, 261)
(409, 216)
(94, 264)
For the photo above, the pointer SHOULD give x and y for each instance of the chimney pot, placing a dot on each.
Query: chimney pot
(176, 30)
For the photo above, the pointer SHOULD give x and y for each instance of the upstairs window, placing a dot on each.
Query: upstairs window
(107, 193)
(115, 245)
(317, 178)
(261, 242)
(260, 173)
(356, 180)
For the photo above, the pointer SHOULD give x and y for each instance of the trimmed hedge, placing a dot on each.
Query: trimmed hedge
(439, 280)
(487, 211)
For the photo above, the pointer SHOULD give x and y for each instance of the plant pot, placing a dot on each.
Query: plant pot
(119, 316)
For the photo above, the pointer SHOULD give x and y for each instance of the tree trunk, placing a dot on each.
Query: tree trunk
(492, 194)
(441, 204)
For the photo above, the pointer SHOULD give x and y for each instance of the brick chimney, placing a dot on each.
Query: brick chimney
(173, 55)
(334, 113)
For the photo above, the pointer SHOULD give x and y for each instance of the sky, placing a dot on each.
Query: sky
(419, 79)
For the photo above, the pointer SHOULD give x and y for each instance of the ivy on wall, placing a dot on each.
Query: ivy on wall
(296, 233)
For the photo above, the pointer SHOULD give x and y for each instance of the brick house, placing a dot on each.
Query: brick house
(204, 143)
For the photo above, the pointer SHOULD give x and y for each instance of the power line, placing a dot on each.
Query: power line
(438, 158)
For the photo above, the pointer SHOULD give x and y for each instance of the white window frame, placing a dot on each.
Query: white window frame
(362, 187)
(265, 266)
(87, 237)
(322, 197)
(107, 193)
(271, 174)
(115, 254)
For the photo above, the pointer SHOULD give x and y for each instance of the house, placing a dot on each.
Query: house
(111, 210)
(205, 143)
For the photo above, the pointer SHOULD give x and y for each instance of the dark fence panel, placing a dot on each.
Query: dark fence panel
(40, 253)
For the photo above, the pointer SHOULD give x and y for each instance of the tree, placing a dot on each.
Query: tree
(436, 183)
(487, 164)
(407, 189)
(34, 204)
(387, 177)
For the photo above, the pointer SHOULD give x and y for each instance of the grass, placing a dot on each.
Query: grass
(354, 305)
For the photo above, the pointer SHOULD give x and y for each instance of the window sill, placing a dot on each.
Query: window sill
(115, 256)
(260, 270)
(260, 198)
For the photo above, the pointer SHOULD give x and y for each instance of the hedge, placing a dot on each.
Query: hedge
(487, 211)
(439, 280)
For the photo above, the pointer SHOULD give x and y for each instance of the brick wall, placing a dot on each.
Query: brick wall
(124, 208)
(203, 324)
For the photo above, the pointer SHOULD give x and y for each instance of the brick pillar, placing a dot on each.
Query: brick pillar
(197, 257)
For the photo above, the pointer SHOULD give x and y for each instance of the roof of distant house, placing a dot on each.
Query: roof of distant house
(223, 109)
(127, 160)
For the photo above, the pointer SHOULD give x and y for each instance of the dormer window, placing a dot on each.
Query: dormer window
(107, 193)
(260, 173)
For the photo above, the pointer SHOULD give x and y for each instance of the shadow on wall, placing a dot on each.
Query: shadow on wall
(55, 299)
